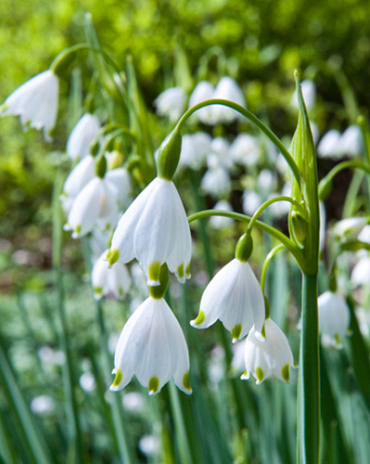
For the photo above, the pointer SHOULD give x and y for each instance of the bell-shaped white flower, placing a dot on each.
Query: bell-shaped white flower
(106, 280)
(228, 89)
(152, 346)
(361, 272)
(219, 155)
(36, 102)
(364, 235)
(155, 230)
(329, 145)
(334, 317)
(267, 354)
(203, 91)
(351, 142)
(216, 182)
(171, 103)
(233, 296)
(194, 150)
(83, 134)
(349, 228)
(95, 205)
(251, 202)
(119, 180)
(245, 150)
(80, 176)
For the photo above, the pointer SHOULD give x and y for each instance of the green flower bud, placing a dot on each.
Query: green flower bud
(244, 247)
(298, 227)
(101, 166)
(169, 155)
(94, 148)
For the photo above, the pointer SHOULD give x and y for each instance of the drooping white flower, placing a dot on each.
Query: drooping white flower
(80, 176)
(83, 134)
(245, 150)
(364, 235)
(233, 296)
(171, 103)
(105, 279)
(155, 230)
(219, 154)
(119, 180)
(194, 150)
(203, 91)
(35, 102)
(351, 142)
(228, 89)
(361, 272)
(216, 182)
(349, 228)
(329, 145)
(267, 355)
(309, 94)
(334, 317)
(95, 205)
(219, 222)
(266, 181)
(152, 346)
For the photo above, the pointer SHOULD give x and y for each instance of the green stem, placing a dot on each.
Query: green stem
(267, 262)
(249, 115)
(309, 379)
(353, 164)
(270, 202)
(286, 241)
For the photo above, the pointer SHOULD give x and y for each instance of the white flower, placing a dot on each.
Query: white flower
(364, 235)
(83, 134)
(245, 150)
(80, 176)
(351, 142)
(234, 297)
(119, 180)
(155, 230)
(171, 103)
(216, 182)
(87, 382)
(361, 272)
(266, 181)
(152, 346)
(334, 317)
(42, 404)
(219, 222)
(194, 150)
(267, 355)
(329, 145)
(309, 94)
(251, 202)
(219, 155)
(203, 91)
(95, 205)
(107, 279)
(36, 102)
(228, 89)
(349, 228)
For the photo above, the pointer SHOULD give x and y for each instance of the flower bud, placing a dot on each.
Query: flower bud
(169, 155)
(244, 248)
(101, 166)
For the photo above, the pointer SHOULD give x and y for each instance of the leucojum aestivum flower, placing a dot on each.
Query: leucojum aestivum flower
(155, 230)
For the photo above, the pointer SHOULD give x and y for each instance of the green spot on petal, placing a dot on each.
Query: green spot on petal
(199, 319)
(236, 331)
(186, 381)
(260, 374)
(78, 229)
(153, 385)
(180, 271)
(118, 378)
(113, 257)
(285, 373)
(154, 271)
(98, 290)
(263, 331)
(108, 254)
(337, 339)
(187, 270)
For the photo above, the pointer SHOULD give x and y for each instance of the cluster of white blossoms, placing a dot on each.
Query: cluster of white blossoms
(336, 145)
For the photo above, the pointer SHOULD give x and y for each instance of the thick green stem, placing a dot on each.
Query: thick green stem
(308, 385)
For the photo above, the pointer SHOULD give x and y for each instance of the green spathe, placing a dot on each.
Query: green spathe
(244, 248)
(169, 155)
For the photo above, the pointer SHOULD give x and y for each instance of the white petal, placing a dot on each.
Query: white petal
(203, 91)
(119, 180)
(82, 135)
(123, 237)
(118, 280)
(80, 175)
(85, 209)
